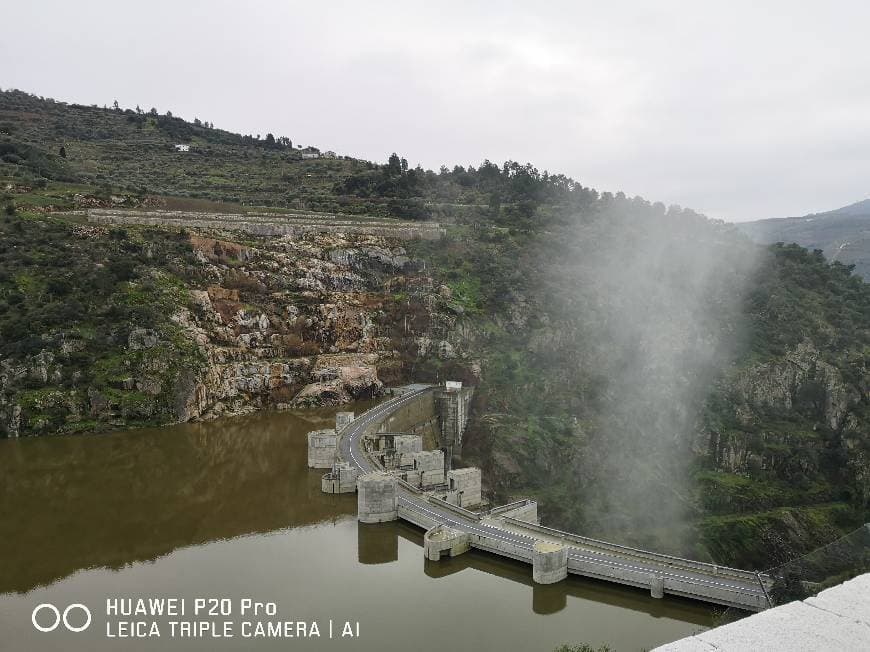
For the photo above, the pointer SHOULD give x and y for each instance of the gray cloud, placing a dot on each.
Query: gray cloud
(736, 110)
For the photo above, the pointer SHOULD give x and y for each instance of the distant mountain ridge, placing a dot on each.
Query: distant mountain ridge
(858, 208)
(843, 234)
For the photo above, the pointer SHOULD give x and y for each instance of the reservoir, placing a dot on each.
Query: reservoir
(228, 510)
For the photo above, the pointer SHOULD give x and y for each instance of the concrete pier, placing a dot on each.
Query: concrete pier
(657, 586)
(549, 562)
(340, 480)
(322, 448)
(405, 446)
(463, 487)
(453, 405)
(377, 497)
(430, 464)
(441, 539)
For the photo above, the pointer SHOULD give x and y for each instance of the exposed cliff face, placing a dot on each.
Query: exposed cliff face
(320, 319)
(801, 377)
(823, 412)
(318, 333)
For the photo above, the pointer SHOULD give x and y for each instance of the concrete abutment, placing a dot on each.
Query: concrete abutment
(549, 562)
(322, 449)
(377, 497)
(657, 586)
(340, 480)
(442, 539)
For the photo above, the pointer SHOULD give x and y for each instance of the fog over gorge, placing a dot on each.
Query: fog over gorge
(650, 302)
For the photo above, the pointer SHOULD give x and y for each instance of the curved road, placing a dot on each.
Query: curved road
(745, 590)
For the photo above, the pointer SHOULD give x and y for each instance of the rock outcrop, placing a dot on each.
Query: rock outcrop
(801, 376)
(276, 322)
(801, 383)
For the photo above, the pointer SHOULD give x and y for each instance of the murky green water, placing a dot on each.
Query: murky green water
(228, 509)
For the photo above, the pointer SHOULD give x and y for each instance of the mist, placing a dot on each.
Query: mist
(652, 301)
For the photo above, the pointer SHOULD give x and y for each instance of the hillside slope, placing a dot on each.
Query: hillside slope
(650, 375)
(842, 234)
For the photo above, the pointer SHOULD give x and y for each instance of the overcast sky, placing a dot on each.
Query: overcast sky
(737, 111)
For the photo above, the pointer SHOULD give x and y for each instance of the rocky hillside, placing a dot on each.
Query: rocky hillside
(651, 376)
(655, 379)
(107, 326)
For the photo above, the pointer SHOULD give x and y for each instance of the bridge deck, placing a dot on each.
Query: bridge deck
(500, 534)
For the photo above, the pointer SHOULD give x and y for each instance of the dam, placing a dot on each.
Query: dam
(237, 493)
(381, 456)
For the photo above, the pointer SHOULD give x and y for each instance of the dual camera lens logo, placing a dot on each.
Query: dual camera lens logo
(47, 606)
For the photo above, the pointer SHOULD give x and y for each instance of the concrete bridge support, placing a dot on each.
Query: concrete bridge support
(549, 562)
(441, 539)
(322, 448)
(377, 497)
(452, 402)
(430, 464)
(463, 487)
(657, 586)
(340, 480)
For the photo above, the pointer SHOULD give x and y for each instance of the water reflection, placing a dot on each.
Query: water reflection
(68, 503)
(230, 508)
(549, 598)
(377, 543)
(552, 598)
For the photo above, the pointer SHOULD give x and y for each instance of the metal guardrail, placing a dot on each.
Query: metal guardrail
(764, 588)
(743, 597)
(632, 575)
(712, 569)
(501, 509)
(467, 513)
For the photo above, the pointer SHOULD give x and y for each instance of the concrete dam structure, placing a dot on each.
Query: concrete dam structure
(397, 458)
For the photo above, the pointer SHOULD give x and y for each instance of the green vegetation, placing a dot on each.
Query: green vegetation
(767, 480)
(133, 151)
(758, 436)
(71, 298)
